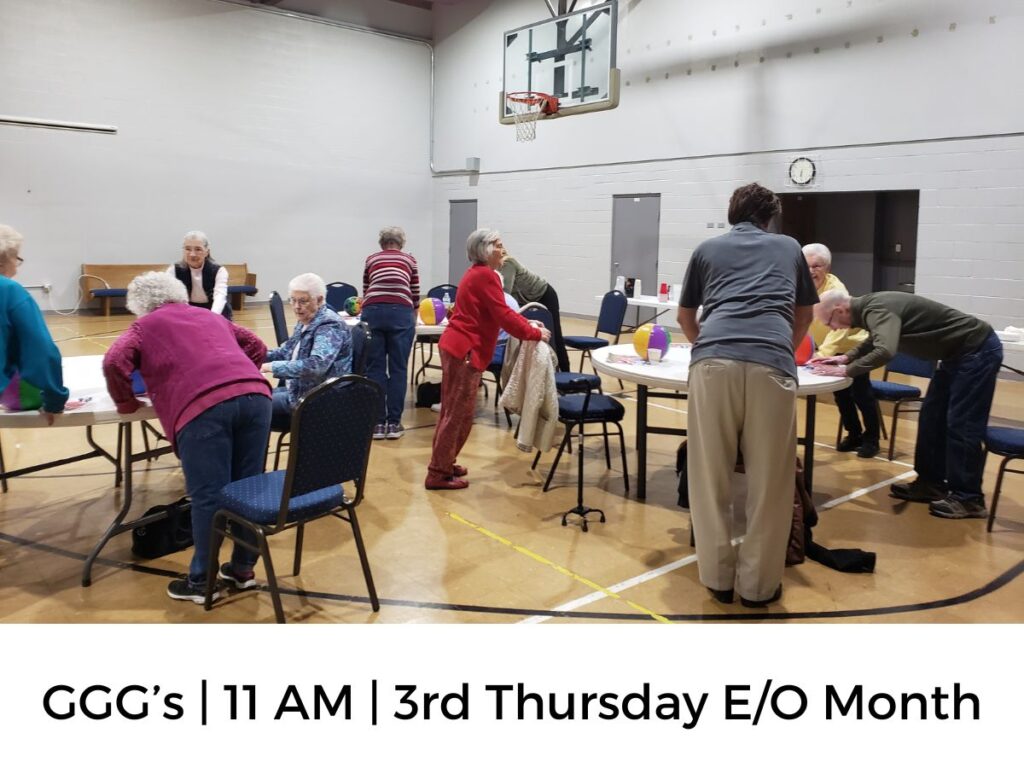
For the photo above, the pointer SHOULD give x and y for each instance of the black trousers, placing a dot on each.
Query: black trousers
(550, 300)
(859, 397)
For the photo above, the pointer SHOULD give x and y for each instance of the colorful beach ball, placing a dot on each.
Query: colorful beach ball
(651, 336)
(353, 306)
(432, 311)
(805, 351)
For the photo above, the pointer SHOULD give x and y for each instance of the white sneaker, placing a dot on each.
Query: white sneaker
(436, 407)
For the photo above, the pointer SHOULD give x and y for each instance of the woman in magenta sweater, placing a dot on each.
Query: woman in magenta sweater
(202, 376)
(467, 346)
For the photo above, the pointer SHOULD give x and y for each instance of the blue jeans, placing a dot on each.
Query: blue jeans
(224, 443)
(953, 420)
(281, 414)
(392, 332)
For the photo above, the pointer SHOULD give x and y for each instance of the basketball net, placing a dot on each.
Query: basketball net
(526, 108)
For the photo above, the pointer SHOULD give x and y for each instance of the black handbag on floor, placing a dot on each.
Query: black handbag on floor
(164, 537)
(427, 394)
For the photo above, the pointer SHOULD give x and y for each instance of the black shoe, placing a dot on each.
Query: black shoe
(722, 595)
(849, 443)
(919, 490)
(868, 449)
(761, 603)
(183, 589)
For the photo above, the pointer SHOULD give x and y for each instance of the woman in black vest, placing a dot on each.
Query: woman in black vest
(206, 282)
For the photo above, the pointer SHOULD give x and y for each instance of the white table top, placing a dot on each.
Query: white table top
(430, 330)
(83, 376)
(651, 302)
(622, 362)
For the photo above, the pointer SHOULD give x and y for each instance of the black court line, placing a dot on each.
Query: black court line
(998, 582)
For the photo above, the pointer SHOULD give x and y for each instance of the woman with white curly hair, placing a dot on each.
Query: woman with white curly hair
(202, 375)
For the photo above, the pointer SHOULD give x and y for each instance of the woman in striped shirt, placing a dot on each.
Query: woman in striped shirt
(391, 293)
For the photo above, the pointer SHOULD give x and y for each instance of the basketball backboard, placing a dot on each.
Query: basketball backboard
(571, 57)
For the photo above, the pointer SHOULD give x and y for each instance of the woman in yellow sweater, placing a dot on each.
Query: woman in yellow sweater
(859, 396)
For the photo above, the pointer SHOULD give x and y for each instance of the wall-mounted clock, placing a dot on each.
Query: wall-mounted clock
(802, 171)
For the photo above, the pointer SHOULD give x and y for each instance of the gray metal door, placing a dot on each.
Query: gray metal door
(636, 220)
(461, 223)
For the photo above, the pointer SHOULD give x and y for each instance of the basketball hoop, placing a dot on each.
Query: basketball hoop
(526, 108)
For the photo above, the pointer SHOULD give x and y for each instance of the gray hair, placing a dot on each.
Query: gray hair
(394, 235)
(829, 301)
(308, 283)
(151, 290)
(822, 252)
(195, 234)
(480, 245)
(10, 242)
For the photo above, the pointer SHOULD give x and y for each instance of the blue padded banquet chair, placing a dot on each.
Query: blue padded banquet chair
(277, 316)
(535, 311)
(609, 321)
(338, 294)
(332, 431)
(1008, 443)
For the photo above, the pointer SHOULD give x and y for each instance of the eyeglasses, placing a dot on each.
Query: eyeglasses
(299, 302)
(20, 260)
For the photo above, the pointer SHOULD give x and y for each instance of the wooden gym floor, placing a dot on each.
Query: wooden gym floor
(497, 552)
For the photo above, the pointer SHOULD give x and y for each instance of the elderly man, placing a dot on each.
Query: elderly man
(757, 294)
(949, 459)
(859, 395)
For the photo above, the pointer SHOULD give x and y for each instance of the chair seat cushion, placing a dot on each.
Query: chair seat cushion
(1005, 440)
(562, 379)
(585, 342)
(248, 290)
(601, 408)
(890, 390)
(258, 498)
(101, 292)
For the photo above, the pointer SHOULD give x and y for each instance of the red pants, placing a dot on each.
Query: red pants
(459, 384)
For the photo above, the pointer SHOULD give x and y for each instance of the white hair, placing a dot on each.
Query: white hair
(829, 301)
(480, 245)
(308, 283)
(195, 234)
(10, 242)
(819, 250)
(151, 290)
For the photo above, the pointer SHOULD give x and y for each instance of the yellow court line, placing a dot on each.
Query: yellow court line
(560, 569)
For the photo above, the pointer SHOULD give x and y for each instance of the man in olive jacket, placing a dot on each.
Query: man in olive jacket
(949, 458)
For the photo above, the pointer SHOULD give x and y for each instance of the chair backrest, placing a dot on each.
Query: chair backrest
(613, 312)
(438, 291)
(277, 316)
(910, 366)
(331, 433)
(360, 347)
(535, 311)
(338, 294)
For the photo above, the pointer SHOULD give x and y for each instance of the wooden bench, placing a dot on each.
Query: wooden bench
(110, 281)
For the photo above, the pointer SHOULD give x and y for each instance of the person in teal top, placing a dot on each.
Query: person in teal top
(26, 347)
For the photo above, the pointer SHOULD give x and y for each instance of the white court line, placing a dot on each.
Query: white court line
(621, 396)
(869, 489)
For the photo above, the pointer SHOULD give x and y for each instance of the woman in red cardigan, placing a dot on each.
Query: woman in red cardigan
(467, 346)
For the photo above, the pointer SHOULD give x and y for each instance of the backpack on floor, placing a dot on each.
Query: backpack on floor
(162, 537)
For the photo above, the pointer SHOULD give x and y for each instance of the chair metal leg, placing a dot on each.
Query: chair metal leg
(881, 420)
(363, 559)
(607, 451)
(297, 565)
(892, 432)
(561, 448)
(839, 434)
(622, 447)
(3, 471)
(277, 451)
(995, 495)
(268, 564)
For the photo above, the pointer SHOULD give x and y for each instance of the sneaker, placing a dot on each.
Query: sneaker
(183, 589)
(919, 490)
(445, 484)
(761, 603)
(849, 443)
(239, 580)
(394, 431)
(436, 407)
(954, 508)
(868, 449)
(380, 432)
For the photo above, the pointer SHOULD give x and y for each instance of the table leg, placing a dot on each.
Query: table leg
(809, 443)
(641, 442)
(125, 430)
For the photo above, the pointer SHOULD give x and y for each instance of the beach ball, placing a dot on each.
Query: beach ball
(651, 336)
(432, 311)
(353, 306)
(805, 351)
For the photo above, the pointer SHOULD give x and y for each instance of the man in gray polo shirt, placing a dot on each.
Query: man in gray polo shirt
(757, 294)
(949, 458)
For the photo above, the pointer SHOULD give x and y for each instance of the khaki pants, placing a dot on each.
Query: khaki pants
(735, 404)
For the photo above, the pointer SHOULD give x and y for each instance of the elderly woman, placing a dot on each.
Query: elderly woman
(29, 355)
(391, 292)
(205, 281)
(467, 346)
(526, 286)
(859, 395)
(319, 348)
(214, 405)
